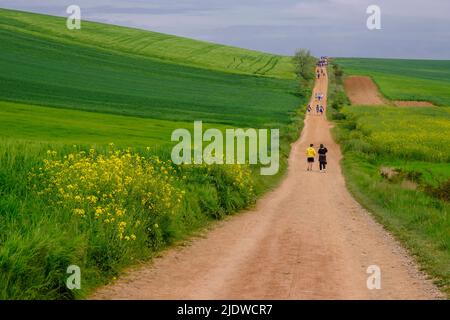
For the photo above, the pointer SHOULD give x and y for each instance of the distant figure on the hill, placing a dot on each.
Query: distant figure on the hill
(310, 155)
(317, 109)
(319, 96)
(322, 158)
(309, 108)
(321, 110)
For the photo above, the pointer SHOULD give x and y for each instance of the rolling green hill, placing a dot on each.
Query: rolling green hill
(150, 44)
(401, 79)
(52, 69)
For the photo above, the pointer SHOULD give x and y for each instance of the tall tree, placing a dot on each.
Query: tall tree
(304, 64)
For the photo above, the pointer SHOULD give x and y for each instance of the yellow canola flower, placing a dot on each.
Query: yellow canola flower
(120, 187)
(79, 212)
(119, 212)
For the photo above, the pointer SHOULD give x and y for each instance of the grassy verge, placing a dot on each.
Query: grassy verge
(100, 209)
(413, 145)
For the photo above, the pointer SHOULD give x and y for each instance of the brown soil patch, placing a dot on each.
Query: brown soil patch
(362, 91)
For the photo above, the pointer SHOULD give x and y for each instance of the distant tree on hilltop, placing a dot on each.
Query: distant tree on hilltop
(304, 64)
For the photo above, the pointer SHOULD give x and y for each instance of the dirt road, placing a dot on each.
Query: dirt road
(308, 239)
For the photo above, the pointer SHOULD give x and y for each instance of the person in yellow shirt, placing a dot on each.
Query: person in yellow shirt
(310, 155)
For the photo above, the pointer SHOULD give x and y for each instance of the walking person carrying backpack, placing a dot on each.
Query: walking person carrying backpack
(322, 158)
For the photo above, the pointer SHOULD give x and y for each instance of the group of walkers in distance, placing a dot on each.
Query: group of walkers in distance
(318, 99)
(320, 72)
(323, 62)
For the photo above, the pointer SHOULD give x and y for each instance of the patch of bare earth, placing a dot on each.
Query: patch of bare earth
(362, 91)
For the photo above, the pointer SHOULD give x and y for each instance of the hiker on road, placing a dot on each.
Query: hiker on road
(322, 158)
(310, 155)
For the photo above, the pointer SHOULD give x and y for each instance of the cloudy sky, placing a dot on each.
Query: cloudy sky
(410, 28)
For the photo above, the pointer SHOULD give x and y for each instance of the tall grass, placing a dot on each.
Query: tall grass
(100, 210)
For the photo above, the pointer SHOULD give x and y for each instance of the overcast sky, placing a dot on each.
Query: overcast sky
(410, 28)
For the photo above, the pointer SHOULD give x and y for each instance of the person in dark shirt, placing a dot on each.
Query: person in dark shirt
(322, 158)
